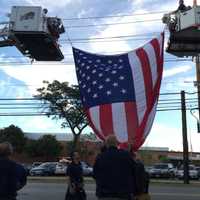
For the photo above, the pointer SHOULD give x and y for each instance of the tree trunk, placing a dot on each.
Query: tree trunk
(76, 142)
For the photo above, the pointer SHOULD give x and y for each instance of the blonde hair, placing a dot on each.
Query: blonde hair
(111, 141)
(6, 149)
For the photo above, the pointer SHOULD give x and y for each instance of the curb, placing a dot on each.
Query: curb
(63, 179)
(53, 179)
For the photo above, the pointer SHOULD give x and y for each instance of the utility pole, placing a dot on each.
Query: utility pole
(198, 87)
(185, 140)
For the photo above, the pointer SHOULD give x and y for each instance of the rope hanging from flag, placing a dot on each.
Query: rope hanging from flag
(120, 92)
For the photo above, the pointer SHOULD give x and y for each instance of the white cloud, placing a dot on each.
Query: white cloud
(34, 75)
(41, 124)
(162, 135)
(124, 28)
(49, 3)
(176, 70)
(112, 31)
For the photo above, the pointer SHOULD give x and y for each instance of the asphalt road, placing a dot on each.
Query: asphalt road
(56, 191)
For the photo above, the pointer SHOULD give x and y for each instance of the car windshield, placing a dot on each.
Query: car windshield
(47, 165)
(44, 165)
(61, 165)
(161, 167)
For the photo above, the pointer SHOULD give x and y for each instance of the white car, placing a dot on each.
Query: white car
(87, 170)
(61, 169)
(193, 172)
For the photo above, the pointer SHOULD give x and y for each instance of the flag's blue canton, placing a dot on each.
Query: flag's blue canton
(103, 79)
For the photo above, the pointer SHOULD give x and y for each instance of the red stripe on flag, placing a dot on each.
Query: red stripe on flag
(155, 94)
(132, 120)
(92, 125)
(156, 47)
(106, 119)
(146, 74)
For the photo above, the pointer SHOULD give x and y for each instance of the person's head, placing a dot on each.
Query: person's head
(111, 141)
(6, 149)
(181, 2)
(75, 157)
(45, 11)
(136, 156)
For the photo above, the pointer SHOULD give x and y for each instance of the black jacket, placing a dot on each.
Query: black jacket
(141, 179)
(75, 172)
(12, 178)
(114, 172)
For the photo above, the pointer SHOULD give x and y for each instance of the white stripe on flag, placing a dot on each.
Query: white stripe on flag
(152, 60)
(140, 92)
(150, 120)
(95, 117)
(120, 122)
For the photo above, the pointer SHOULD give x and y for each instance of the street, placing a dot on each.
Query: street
(56, 191)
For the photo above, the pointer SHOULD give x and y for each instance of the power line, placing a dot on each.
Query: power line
(114, 16)
(106, 41)
(113, 37)
(68, 63)
(113, 24)
(39, 99)
(49, 114)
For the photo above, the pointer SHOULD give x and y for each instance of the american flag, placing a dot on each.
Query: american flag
(120, 92)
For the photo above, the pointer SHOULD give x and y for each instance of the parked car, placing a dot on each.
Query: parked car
(44, 169)
(87, 170)
(36, 164)
(27, 167)
(198, 169)
(162, 170)
(193, 172)
(148, 168)
(61, 168)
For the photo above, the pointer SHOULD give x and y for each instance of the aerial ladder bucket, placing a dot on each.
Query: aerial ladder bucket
(184, 28)
(34, 34)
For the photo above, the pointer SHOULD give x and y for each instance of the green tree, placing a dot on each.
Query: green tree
(62, 101)
(15, 136)
(31, 148)
(47, 146)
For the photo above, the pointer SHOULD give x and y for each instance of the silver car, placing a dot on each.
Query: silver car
(193, 172)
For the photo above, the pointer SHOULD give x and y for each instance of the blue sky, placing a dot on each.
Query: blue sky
(17, 81)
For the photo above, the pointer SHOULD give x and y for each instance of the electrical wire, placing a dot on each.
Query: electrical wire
(114, 16)
(38, 106)
(112, 24)
(64, 63)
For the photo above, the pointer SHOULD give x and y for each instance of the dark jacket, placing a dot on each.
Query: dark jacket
(141, 179)
(75, 172)
(12, 176)
(75, 189)
(114, 171)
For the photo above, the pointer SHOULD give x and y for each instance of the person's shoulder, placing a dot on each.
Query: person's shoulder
(12, 162)
(20, 166)
(124, 153)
